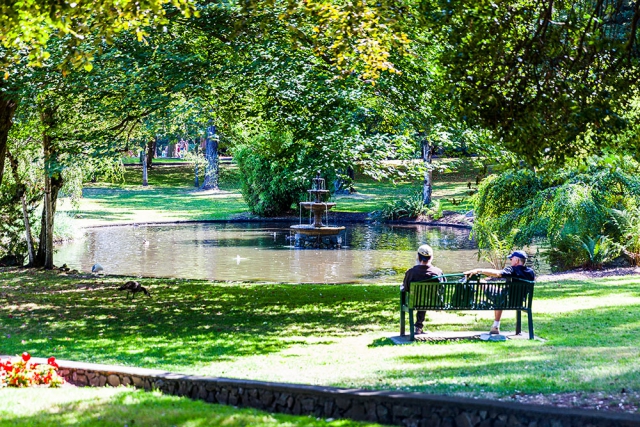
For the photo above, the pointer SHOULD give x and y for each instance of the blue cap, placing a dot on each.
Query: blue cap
(518, 254)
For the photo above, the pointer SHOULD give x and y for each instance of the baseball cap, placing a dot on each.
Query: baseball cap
(518, 254)
(425, 250)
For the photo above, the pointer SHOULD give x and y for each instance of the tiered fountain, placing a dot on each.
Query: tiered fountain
(317, 235)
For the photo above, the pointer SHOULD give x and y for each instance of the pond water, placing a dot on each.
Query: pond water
(262, 252)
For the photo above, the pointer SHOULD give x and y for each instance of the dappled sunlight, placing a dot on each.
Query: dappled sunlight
(124, 406)
(317, 334)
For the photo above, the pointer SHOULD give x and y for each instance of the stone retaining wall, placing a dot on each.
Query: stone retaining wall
(405, 409)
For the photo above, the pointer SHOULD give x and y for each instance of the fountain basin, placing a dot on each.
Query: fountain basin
(317, 206)
(312, 230)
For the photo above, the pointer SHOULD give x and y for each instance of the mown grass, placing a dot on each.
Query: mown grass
(171, 196)
(127, 407)
(326, 334)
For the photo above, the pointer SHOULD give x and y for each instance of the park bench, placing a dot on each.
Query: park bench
(456, 292)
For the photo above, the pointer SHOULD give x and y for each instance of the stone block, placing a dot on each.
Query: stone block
(343, 403)
(223, 396)
(137, 382)
(382, 412)
(370, 411)
(82, 380)
(95, 381)
(329, 405)
(290, 402)
(113, 380)
(307, 405)
(126, 381)
(202, 392)
(266, 398)
(464, 420)
(102, 381)
(233, 398)
(514, 422)
(356, 412)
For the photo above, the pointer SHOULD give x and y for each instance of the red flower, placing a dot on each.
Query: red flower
(52, 362)
(26, 356)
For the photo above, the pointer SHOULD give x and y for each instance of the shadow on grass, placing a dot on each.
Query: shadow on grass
(128, 407)
(184, 323)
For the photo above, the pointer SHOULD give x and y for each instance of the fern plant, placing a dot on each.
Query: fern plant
(491, 247)
(598, 250)
(628, 224)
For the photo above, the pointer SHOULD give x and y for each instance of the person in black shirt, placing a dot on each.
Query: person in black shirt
(424, 270)
(517, 269)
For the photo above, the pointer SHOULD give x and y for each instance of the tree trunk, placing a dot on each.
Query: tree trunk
(22, 193)
(145, 181)
(27, 231)
(7, 110)
(427, 184)
(52, 184)
(211, 154)
(151, 151)
(197, 180)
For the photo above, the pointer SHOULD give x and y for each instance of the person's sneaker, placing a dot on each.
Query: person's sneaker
(494, 330)
(418, 331)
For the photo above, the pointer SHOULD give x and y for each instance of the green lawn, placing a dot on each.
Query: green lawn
(171, 196)
(126, 407)
(326, 334)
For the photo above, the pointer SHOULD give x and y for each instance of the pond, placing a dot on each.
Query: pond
(263, 252)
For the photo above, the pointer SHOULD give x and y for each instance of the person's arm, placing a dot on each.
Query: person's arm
(486, 271)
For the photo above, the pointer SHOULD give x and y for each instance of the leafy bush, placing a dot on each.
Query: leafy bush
(570, 207)
(275, 172)
(411, 206)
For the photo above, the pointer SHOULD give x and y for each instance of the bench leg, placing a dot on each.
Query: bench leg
(530, 321)
(518, 322)
(411, 325)
(402, 320)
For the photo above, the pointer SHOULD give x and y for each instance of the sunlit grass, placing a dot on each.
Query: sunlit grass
(124, 406)
(326, 334)
(171, 196)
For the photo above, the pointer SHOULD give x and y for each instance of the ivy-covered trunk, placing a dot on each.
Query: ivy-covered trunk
(428, 184)
(7, 110)
(211, 170)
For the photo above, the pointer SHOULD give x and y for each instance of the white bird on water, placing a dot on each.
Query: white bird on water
(97, 268)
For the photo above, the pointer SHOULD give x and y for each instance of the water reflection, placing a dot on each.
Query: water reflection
(261, 252)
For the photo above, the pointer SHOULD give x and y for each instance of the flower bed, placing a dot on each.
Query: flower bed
(20, 371)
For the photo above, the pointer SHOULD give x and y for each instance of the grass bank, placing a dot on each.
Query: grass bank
(127, 407)
(171, 196)
(333, 335)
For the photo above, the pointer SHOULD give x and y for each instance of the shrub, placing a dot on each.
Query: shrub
(269, 182)
(411, 207)
(570, 207)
